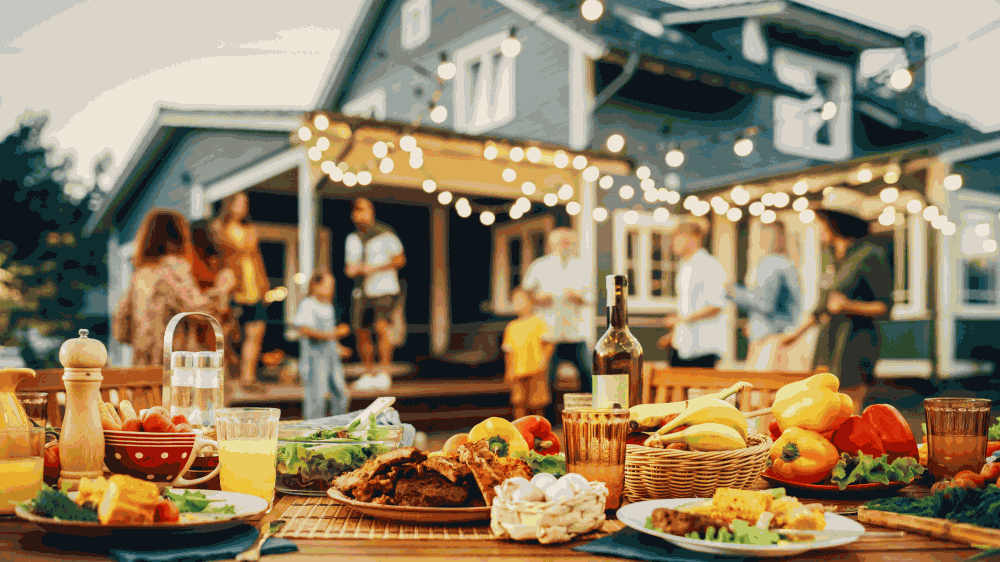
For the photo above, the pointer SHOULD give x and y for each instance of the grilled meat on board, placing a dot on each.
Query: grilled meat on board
(681, 523)
(489, 470)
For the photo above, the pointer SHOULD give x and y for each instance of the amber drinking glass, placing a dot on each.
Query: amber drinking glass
(595, 447)
(36, 405)
(577, 400)
(956, 434)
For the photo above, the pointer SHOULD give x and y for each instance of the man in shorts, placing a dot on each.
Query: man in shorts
(373, 257)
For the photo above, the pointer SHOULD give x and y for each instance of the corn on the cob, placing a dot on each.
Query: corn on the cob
(789, 513)
(128, 500)
(91, 492)
(729, 504)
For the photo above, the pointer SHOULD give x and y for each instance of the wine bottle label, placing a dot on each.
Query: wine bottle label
(611, 391)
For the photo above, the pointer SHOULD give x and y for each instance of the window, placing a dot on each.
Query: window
(979, 265)
(484, 86)
(515, 246)
(643, 255)
(817, 124)
(416, 23)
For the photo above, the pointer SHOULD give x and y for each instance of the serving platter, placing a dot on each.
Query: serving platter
(773, 478)
(408, 513)
(634, 515)
(247, 506)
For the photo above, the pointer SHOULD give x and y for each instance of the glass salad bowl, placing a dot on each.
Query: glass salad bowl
(311, 457)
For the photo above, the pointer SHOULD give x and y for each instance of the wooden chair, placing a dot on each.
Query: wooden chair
(662, 383)
(143, 386)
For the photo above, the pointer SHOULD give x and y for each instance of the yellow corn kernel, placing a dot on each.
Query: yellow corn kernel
(729, 504)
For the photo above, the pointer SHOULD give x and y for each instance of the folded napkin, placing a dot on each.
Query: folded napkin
(137, 546)
(629, 543)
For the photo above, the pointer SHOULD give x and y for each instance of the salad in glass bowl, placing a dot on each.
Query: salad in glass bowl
(310, 457)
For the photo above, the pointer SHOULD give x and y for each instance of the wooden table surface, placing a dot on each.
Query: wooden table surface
(21, 541)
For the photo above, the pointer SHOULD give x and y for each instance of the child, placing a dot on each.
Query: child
(527, 358)
(320, 367)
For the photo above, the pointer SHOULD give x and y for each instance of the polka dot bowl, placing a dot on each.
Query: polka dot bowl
(149, 457)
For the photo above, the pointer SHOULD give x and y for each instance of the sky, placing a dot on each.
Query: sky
(101, 67)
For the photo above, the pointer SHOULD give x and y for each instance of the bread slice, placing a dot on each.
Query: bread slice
(447, 466)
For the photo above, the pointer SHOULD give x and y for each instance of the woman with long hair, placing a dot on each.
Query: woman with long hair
(238, 242)
(162, 286)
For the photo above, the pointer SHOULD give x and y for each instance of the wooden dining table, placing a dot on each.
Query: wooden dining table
(324, 532)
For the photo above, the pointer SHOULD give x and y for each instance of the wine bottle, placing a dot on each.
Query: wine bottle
(617, 381)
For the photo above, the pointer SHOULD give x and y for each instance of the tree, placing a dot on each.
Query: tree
(46, 267)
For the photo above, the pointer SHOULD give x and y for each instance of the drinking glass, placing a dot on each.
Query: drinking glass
(577, 400)
(248, 450)
(22, 453)
(956, 434)
(595, 447)
(36, 405)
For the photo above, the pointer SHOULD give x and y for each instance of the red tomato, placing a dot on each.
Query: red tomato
(990, 472)
(167, 512)
(773, 429)
(179, 419)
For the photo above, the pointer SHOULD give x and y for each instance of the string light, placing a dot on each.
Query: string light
(768, 216)
(527, 188)
(321, 122)
(829, 111)
(447, 69)
(607, 182)
(407, 143)
(580, 162)
(516, 214)
(953, 182)
(591, 173)
(463, 208)
(864, 175)
(690, 201)
(781, 199)
(509, 175)
(550, 199)
(439, 114)
(573, 208)
(487, 218)
(673, 197)
(673, 180)
(626, 192)
(649, 195)
(444, 197)
(615, 142)
(800, 187)
(534, 155)
(889, 194)
(642, 172)
(511, 47)
(523, 204)
(336, 174)
(901, 79)
(364, 177)
(561, 160)
(630, 217)
(756, 208)
(380, 149)
(350, 180)
(430, 186)
(939, 221)
(983, 229)
(315, 153)
(930, 213)
(517, 154)
(674, 158)
(663, 194)
(416, 158)
(591, 10)
(807, 216)
(734, 214)
(305, 133)
(323, 143)
(740, 195)
(600, 214)
(887, 217)
(989, 246)
(660, 214)
(743, 147)
(327, 166)
(701, 208)
(914, 206)
(948, 229)
(767, 199)
(386, 165)
(490, 152)
(800, 204)
(565, 192)
(891, 174)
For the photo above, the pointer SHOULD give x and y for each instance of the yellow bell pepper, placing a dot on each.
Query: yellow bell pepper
(501, 436)
(803, 456)
(813, 403)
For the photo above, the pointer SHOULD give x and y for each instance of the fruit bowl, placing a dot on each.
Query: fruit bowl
(160, 458)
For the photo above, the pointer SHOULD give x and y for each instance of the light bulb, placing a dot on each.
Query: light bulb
(702, 208)
(887, 217)
(743, 147)
(740, 195)
(516, 214)
(673, 180)
(626, 192)
(674, 158)
(305, 133)
(631, 217)
(364, 177)
(660, 214)
(380, 149)
(315, 153)
(517, 154)
(756, 208)
(649, 195)
(487, 218)
(386, 165)
(768, 216)
(673, 197)
(527, 188)
(336, 174)
(321, 122)
(463, 208)
(447, 70)
(550, 199)
(939, 221)
(573, 208)
(322, 143)
(647, 184)
(523, 204)
(510, 47)
(561, 160)
(889, 194)
(829, 111)
(509, 175)
(930, 213)
(430, 186)
(439, 114)
(781, 199)
(914, 206)
(800, 188)
(444, 197)
(615, 142)
(607, 182)
(901, 79)
(953, 182)
(490, 152)
(807, 216)
(865, 175)
(327, 166)
(407, 143)
(534, 154)
(565, 192)
(600, 214)
(591, 173)
(948, 229)
(642, 172)
(580, 162)
(983, 229)
(690, 201)
(989, 246)
(663, 194)
(591, 10)
(734, 214)
(800, 204)
(767, 199)
(350, 179)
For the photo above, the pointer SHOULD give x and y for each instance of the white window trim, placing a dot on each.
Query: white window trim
(425, 7)
(502, 233)
(961, 202)
(641, 303)
(460, 90)
(363, 105)
(916, 243)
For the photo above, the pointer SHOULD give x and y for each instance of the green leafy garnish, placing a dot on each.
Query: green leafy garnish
(56, 504)
(868, 469)
(976, 506)
(196, 502)
(994, 433)
(552, 464)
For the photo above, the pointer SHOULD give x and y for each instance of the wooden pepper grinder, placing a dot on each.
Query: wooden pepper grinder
(81, 442)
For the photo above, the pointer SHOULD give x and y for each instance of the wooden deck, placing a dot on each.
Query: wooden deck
(402, 389)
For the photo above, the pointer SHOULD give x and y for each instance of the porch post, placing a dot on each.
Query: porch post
(440, 320)
(307, 215)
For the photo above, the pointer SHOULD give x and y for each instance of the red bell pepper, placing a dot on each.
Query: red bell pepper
(897, 437)
(855, 435)
(992, 447)
(537, 431)
(773, 429)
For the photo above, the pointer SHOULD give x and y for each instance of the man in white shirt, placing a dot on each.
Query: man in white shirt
(559, 284)
(699, 334)
(373, 257)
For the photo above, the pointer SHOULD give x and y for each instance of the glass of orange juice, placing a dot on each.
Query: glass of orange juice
(248, 450)
(22, 451)
(595, 447)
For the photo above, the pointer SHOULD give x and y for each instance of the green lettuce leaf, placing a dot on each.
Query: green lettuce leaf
(994, 433)
(196, 502)
(552, 464)
(865, 469)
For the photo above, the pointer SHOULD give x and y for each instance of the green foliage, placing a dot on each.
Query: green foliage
(976, 506)
(865, 469)
(196, 502)
(57, 505)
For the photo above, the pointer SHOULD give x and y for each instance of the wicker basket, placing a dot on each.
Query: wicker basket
(653, 474)
(548, 522)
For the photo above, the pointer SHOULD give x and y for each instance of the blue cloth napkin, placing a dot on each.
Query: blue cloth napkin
(629, 543)
(137, 546)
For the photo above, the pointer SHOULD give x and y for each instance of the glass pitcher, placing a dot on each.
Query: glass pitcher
(12, 414)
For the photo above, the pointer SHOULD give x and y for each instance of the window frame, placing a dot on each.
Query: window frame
(424, 6)
(963, 262)
(500, 268)
(463, 107)
(915, 243)
(642, 302)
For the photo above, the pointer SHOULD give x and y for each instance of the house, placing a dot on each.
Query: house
(599, 115)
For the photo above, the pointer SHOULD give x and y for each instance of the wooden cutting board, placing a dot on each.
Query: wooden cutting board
(940, 528)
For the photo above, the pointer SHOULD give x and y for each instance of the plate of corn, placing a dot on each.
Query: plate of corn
(742, 523)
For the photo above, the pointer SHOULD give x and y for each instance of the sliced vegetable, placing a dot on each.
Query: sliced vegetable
(803, 456)
(537, 432)
(897, 437)
(857, 435)
(812, 404)
(501, 436)
(865, 469)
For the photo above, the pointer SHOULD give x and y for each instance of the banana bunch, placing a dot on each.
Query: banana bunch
(714, 425)
(649, 417)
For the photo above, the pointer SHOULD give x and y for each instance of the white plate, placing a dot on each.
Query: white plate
(246, 506)
(634, 515)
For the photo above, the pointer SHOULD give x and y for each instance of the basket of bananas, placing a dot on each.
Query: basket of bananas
(691, 448)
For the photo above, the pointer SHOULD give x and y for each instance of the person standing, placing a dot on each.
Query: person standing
(859, 293)
(320, 367)
(559, 285)
(773, 300)
(374, 256)
(526, 358)
(698, 331)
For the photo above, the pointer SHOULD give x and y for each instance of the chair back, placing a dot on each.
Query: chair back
(142, 386)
